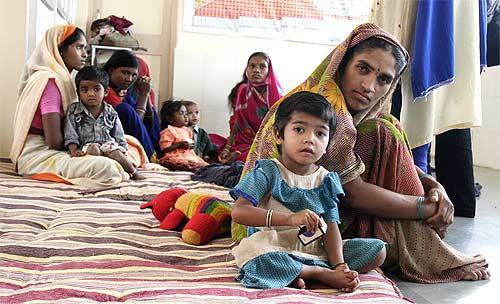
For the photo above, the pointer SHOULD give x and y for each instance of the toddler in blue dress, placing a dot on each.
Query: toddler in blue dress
(280, 195)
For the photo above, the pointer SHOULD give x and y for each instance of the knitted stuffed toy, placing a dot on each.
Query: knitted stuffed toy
(208, 216)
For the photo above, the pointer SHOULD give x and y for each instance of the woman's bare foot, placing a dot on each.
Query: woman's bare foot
(137, 176)
(298, 283)
(476, 272)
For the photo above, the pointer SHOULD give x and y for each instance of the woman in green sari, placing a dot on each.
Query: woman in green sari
(387, 196)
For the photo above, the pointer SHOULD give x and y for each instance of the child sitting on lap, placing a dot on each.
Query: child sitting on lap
(280, 195)
(176, 139)
(92, 126)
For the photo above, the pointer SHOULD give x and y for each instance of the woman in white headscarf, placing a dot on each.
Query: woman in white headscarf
(45, 92)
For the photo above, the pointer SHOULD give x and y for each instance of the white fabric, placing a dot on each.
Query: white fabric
(89, 171)
(453, 106)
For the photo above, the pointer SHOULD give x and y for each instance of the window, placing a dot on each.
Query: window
(42, 15)
(315, 21)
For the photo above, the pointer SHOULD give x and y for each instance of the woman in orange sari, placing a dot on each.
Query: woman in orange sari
(387, 197)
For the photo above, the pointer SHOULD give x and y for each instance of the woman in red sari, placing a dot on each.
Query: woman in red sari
(250, 99)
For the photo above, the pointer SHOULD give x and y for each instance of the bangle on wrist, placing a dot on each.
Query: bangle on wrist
(420, 208)
(269, 218)
(425, 175)
(338, 264)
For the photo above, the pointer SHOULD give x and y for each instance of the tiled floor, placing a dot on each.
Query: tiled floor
(478, 235)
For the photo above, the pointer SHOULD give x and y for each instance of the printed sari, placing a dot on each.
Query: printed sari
(249, 109)
(372, 145)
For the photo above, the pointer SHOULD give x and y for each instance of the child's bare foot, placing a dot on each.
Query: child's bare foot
(137, 176)
(344, 280)
(298, 283)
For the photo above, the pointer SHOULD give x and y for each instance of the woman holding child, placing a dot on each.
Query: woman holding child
(387, 197)
(46, 91)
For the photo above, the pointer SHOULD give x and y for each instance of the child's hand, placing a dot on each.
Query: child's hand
(305, 217)
(77, 153)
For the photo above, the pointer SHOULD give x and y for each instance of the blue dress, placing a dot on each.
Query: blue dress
(273, 257)
(148, 136)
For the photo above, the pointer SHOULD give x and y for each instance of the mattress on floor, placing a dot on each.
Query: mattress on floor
(59, 244)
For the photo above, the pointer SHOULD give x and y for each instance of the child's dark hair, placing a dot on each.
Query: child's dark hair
(167, 110)
(304, 102)
(92, 73)
(189, 103)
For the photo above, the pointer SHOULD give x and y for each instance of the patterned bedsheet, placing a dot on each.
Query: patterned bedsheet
(59, 244)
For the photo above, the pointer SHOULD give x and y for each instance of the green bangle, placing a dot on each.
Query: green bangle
(420, 208)
(425, 175)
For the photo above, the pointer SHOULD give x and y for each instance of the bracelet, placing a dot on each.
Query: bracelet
(141, 110)
(420, 208)
(269, 218)
(338, 264)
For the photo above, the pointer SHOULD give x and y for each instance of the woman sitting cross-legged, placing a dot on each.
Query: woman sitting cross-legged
(46, 91)
(387, 197)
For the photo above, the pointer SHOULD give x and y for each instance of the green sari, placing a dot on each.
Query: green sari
(373, 146)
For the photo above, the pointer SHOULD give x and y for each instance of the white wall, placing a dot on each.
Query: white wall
(151, 27)
(208, 66)
(486, 139)
(12, 48)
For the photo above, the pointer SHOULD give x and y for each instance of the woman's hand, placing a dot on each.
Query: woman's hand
(224, 155)
(444, 215)
(436, 194)
(228, 157)
(143, 85)
(305, 217)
